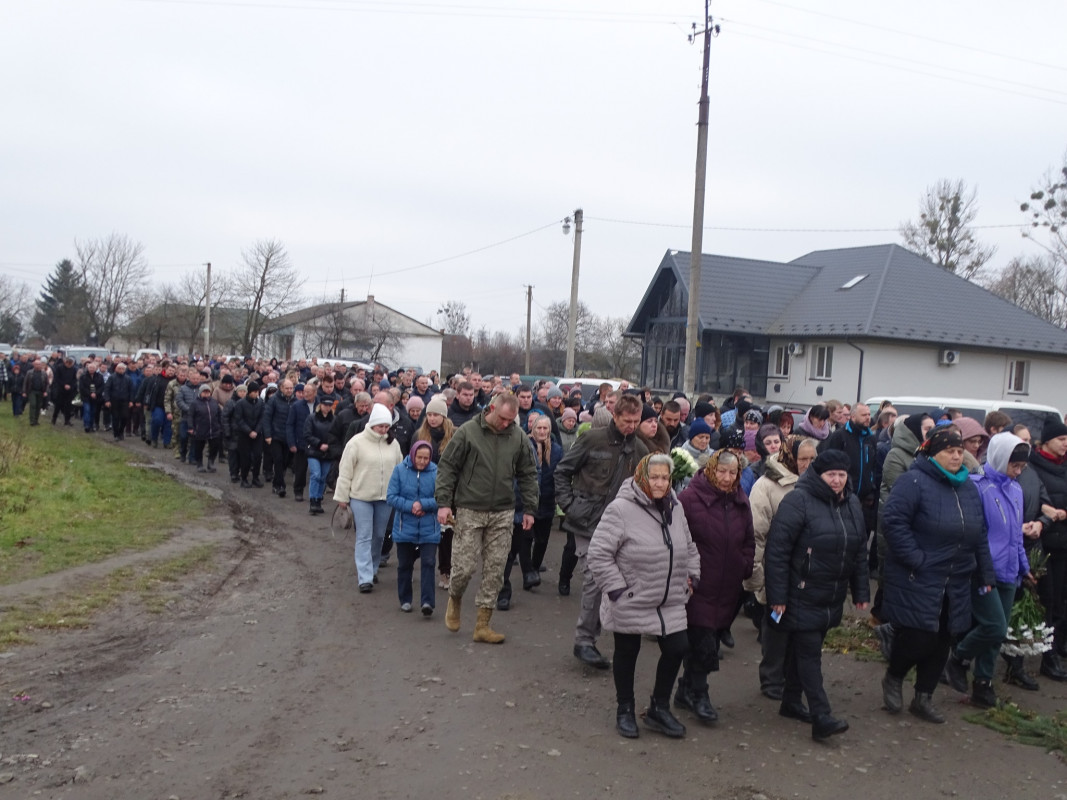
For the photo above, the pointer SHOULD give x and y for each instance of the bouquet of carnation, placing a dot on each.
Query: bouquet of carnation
(685, 466)
(1028, 635)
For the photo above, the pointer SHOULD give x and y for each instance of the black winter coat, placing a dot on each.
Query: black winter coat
(937, 547)
(316, 433)
(205, 418)
(275, 415)
(247, 417)
(118, 389)
(90, 386)
(1054, 478)
(816, 551)
(864, 472)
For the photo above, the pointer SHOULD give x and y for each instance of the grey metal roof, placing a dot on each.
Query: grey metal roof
(908, 297)
(903, 297)
(741, 295)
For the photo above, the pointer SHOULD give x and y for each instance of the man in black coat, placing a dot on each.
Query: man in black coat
(64, 387)
(275, 416)
(91, 389)
(247, 424)
(117, 395)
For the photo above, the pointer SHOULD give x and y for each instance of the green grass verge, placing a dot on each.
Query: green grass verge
(155, 584)
(1026, 727)
(67, 500)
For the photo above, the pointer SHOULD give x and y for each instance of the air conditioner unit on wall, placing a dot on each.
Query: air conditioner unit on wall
(796, 348)
(948, 357)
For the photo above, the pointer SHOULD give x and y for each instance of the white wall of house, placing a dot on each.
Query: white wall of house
(903, 369)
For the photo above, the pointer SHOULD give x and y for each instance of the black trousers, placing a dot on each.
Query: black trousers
(672, 650)
(444, 552)
(703, 658)
(280, 456)
(213, 448)
(927, 651)
(520, 548)
(803, 671)
(250, 455)
(542, 530)
(300, 471)
(120, 414)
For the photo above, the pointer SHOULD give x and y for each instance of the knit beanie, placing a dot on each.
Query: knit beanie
(829, 460)
(414, 402)
(568, 413)
(647, 412)
(703, 409)
(379, 415)
(698, 427)
(437, 405)
(1053, 430)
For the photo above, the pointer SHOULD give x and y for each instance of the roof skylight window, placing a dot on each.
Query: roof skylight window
(853, 282)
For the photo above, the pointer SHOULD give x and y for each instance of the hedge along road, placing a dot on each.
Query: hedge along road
(269, 676)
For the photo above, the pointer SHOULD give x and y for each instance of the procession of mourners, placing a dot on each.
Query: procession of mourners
(677, 516)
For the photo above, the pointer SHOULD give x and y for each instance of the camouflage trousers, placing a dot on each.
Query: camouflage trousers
(485, 535)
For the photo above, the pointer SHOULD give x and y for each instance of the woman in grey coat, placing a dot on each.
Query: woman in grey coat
(643, 559)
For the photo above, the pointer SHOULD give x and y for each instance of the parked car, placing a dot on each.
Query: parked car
(1032, 415)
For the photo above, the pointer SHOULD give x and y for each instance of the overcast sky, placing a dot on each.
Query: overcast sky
(373, 138)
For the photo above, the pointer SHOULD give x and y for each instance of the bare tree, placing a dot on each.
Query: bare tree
(325, 335)
(152, 311)
(1035, 284)
(621, 355)
(1047, 214)
(943, 232)
(554, 324)
(454, 317)
(266, 281)
(192, 290)
(112, 269)
(16, 303)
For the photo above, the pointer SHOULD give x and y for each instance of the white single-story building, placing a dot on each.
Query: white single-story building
(363, 330)
(846, 324)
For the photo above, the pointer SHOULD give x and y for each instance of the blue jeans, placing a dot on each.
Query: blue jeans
(160, 425)
(406, 553)
(991, 612)
(88, 414)
(317, 472)
(370, 520)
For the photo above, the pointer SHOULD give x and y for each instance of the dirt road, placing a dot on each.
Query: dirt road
(273, 678)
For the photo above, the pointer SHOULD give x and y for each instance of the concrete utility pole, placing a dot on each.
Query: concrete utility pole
(207, 312)
(692, 333)
(572, 323)
(529, 303)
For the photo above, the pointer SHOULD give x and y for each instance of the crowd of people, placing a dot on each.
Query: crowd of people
(779, 517)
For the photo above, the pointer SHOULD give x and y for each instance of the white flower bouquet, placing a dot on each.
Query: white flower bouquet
(685, 466)
(1028, 635)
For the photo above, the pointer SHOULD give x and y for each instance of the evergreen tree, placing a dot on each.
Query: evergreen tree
(61, 315)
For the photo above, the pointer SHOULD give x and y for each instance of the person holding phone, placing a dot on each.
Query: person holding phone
(816, 551)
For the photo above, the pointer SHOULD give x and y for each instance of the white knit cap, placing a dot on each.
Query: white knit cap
(380, 415)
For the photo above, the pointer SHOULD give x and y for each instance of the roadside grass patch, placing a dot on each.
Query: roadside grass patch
(854, 636)
(67, 500)
(1025, 727)
(154, 585)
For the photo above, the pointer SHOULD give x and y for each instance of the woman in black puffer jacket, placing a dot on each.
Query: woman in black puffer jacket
(935, 531)
(816, 551)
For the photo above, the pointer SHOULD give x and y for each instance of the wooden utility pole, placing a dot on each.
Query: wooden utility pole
(572, 322)
(207, 313)
(529, 304)
(692, 332)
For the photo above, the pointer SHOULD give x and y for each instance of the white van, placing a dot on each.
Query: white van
(1032, 415)
(147, 351)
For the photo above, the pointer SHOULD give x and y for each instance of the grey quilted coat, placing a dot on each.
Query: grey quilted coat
(634, 550)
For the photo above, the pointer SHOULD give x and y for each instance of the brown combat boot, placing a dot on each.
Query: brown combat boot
(452, 613)
(482, 631)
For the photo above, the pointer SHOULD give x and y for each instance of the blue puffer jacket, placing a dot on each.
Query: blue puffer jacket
(936, 535)
(1002, 498)
(546, 506)
(406, 485)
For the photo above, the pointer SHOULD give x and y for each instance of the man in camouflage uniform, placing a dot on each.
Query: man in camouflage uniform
(476, 478)
(174, 412)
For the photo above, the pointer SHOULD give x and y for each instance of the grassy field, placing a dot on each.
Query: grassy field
(68, 499)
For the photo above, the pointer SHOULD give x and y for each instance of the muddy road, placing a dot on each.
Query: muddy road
(272, 677)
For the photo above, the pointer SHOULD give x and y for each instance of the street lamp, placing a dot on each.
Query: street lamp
(572, 323)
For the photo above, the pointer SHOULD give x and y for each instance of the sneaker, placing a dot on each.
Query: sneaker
(445, 580)
(427, 609)
(405, 607)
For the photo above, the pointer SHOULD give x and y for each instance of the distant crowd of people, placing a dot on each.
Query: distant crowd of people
(680, 516)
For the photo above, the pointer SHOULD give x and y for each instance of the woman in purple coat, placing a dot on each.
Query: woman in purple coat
(720, 521)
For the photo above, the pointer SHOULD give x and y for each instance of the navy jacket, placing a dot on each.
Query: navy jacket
(275, 417)
(936, 537)
(299, 411)
(1054, 478)
(862, 452)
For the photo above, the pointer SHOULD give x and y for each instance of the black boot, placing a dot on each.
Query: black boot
(982, 695)
(1052, 667)
(626, 721)
(922, 706)
(956, 672)
(566, 572)
(1017, 675)
(703, 708)
(825, 726)
(892, 693)
(503, 599)
(683, 697)
(659, 718)
(530, 580)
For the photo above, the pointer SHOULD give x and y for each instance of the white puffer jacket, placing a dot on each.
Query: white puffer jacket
(651, 562)
(366, 465)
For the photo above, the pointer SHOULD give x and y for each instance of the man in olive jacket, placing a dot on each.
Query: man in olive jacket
(586, 480)
(476, 477)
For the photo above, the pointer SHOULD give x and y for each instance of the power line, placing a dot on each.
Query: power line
(914, 35)
(735, 229)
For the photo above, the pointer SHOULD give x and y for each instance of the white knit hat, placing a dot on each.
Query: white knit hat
(380, 415)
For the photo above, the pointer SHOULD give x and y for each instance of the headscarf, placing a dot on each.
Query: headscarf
(941, 438)
(713, 463)
(664, 504)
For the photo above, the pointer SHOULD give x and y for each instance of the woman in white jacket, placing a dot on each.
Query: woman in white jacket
(643, 559)
(363, 484)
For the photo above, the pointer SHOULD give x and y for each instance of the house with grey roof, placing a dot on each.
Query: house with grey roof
(363, 330)
(850, 323)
